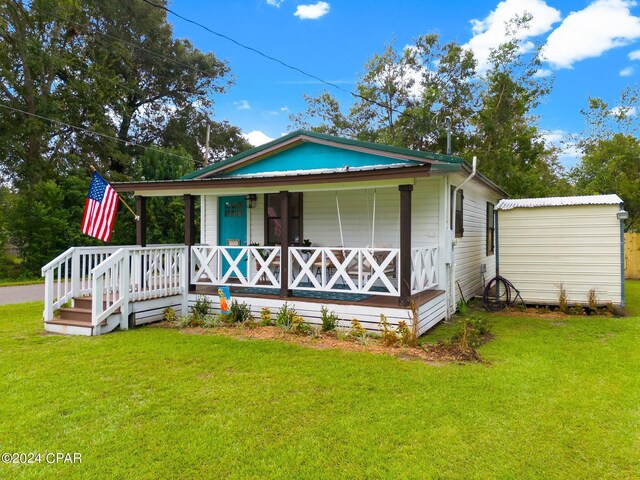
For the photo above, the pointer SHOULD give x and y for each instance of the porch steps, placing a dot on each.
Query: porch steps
(76, 320)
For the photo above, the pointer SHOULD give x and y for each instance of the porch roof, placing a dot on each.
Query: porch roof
(389, 156)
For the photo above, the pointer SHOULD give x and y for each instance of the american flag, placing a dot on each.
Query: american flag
(99, 209)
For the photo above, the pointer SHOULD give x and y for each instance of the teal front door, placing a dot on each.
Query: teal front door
(232, 228)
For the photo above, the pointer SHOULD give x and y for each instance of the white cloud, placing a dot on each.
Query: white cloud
(603, 25)
(626, 72)
(312, 12)
(256, 137)
(242, 105)
(491, 32)
(626, 111)
(635, 55)
(284, 109)
(542, 73)
(275, 3)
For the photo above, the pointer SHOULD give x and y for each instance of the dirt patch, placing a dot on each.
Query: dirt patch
(437, 355)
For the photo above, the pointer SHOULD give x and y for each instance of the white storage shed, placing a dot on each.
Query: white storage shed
(574, 241)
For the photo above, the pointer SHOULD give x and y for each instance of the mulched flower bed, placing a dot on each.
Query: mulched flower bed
(437, 354)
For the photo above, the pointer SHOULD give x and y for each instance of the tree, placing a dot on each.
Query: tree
(604, 121)
(402, 97)
(612, 165)
(506, 138)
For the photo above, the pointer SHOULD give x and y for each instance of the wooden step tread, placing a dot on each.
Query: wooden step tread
(75, 309)
(71, 323)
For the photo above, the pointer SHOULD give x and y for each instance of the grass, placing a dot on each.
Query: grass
(560, 399)
(17, 282)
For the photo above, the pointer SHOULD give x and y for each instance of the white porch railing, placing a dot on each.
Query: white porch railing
(69, 275)
(355, 270)
(240, 266)
(424, 268)
(114, 274)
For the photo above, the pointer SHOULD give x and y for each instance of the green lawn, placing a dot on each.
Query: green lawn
(560, 399)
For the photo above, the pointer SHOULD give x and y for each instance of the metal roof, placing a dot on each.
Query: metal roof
(509, 204)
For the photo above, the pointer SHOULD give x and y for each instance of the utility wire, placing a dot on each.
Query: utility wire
(269, 57)
(93, 132)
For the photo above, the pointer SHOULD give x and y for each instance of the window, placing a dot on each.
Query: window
(273, 219)
(458, 212)
(491, 241)
(233, 209)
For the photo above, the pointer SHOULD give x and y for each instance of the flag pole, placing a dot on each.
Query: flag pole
(135, 216)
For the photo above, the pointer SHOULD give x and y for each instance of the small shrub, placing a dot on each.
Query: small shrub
(202, 307)
(213, 321)
(406, 334)
(315, 331)
(577, 309)
(563, 299)
(169, 315)
(239, 313)
(299, 326)
(357, 330)
(265, 317)
(610, 308)
(186, 321)
(362, 338)
(329, 320)
(470, 332)
(592, 299)
(285, 316)
(388, 335)
(342, 333)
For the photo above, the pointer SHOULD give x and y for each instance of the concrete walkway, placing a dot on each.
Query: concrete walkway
(21, 294)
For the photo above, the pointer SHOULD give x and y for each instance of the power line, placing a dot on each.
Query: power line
(86, 130)
(269, 57)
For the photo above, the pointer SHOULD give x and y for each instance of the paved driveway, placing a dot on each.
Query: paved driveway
(21, 294)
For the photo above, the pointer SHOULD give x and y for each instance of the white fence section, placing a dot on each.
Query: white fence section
(113, 276)
(355, 270)
(244, 266)
(424, 268)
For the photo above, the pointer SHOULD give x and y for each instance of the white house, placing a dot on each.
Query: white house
(392, 231)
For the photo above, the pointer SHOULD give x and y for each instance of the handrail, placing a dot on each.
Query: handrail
(109, 288)
(57, 260)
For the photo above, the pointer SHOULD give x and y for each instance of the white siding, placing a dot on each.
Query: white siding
(578, 246)
(471, 249)
(210, 220)
(429, 314)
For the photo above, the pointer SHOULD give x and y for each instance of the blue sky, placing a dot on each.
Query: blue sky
(592, 47)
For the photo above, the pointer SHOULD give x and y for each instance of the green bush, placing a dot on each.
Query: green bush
(470, 332)
(284, 317)
(239, 313)
(329, 320)
(202, 307)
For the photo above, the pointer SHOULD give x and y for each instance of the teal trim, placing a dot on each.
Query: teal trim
(420, 156)
(312, 156)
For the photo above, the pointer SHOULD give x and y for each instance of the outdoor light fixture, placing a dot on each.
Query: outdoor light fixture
(251, 200)
(622, 215)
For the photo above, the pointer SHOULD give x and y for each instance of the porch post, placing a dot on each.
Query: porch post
(141, 224)
(189, 232)
(284, 244)
(405, 244)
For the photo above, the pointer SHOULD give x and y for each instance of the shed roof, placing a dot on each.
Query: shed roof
(510, 204)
